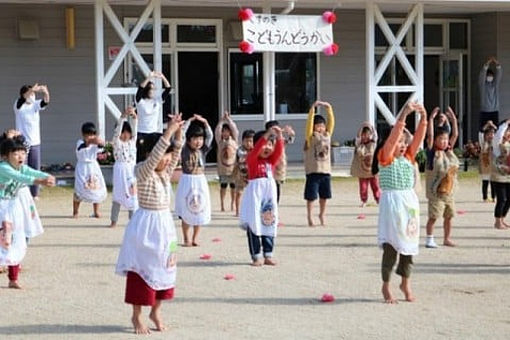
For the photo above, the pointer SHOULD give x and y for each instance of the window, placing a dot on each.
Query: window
(458, 35)
(196, 34)
(296, 82)
(433, 35)
(246, 83)
(146, 34)
(380, 38)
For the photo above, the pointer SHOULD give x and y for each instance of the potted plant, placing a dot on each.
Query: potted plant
(106, 160)
(421, 159)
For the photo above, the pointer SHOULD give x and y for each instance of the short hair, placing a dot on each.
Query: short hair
(24, 89)
(195, 130)
(258, 135)
(271, 123)
(441, 130)
(318, 119)
(126, 127)
(366, 129)
(248, 134)
(9, 145)
(490, 72)
(88, 128)
(226, 127)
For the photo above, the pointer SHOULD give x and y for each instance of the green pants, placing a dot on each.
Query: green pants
(388, 262)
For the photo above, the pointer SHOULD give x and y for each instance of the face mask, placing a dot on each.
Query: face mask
(31, 99)
(490, 79)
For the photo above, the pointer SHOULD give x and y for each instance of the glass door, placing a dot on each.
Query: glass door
(452, 88)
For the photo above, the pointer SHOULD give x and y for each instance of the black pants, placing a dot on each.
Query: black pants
(486, 116)
(502, 199)
(278, 192)
(485, 189)
(389, 259)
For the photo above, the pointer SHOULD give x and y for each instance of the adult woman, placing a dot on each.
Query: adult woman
(26, 110)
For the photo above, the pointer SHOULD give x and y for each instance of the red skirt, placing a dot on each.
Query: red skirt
(139, 293)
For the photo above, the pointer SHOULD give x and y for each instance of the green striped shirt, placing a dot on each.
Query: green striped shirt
(399, 175)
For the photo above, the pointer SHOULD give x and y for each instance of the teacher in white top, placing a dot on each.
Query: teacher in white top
(26, 110)
(148, 106)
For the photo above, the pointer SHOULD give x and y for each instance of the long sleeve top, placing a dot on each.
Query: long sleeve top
(148, 111)
(11, 179)
(226, 155)
(124, 151)
(318, 146)
(154, 188)
(489, 91)
(193, 161)
(257, 166)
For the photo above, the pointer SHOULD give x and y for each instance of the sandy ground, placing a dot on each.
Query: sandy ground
(71, 291)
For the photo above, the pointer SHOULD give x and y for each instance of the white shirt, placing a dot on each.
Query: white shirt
(27, 121)
(148, 111)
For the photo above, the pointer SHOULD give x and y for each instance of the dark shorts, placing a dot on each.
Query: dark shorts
(317, 186)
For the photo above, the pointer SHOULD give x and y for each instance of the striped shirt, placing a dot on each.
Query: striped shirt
(154, 188)
(399, 175)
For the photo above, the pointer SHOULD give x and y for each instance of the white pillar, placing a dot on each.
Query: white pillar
(419, 52)
(370, 63)
(99, 37)
(157, 53)
(268, 60)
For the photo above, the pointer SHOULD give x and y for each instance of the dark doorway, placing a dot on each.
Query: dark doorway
(431, 82)
(198, 88)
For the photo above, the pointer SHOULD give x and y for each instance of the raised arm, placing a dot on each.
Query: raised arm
(217, 131)
(24, 177)
(279, 146)
(430, 132)
(498, 138)
(499, 72)
(309, 125)
(330, 124)
(483, 74)
(118, 128)
(419, 134)
(388, 150)
(454, 125)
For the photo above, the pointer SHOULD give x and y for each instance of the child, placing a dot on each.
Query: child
(241, 169)
(148, 252)
(399, 208)
(280, 172)
(485, 140)
(89, 185)
(500, 174)
(441, 177)
(318, 160)
(14, 174)
(124, 152)
(193, 203)
(259, 210)
(226, 136)
(361, 167)
(31, 221)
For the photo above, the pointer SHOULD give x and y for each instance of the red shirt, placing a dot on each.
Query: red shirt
(257, 167)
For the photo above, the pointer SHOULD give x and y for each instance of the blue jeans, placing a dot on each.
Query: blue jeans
(254, 243)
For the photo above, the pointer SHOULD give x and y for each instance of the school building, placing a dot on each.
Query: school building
(93, 53)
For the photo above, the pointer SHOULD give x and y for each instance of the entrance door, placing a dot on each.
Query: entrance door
(452, 88)
(198, 88)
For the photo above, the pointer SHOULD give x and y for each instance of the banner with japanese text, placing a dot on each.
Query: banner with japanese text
(287, 33)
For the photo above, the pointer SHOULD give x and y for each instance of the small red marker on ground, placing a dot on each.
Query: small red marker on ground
(205, 256)
(327, 298)
(229, 277)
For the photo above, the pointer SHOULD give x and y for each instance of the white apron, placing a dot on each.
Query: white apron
(193, 202)
(149, 241)
(31, 220)
(89, 183)
(399, 221)
(124, 185)
(12, 211)
(259, 209)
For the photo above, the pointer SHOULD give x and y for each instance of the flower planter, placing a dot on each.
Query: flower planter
(107, 171)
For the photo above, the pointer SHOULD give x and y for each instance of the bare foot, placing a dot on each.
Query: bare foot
(310, 222)
(187, 244)
(407, 292)
(500, 225)
(362, 205)
(222, 209)
(269, 262)
(140, 328)
(322, 220)
(257, 263)
(195, 244)
(14, 285)
(156, 318)
(505, 224)
(3, 270)
(75, 216)
(449, 243)
(113, 225)
(388, 297)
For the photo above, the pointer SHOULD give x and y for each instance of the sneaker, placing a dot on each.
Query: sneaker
(430, 243)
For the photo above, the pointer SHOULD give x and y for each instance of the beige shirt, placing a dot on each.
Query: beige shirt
(318, 154)
(154, 188)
